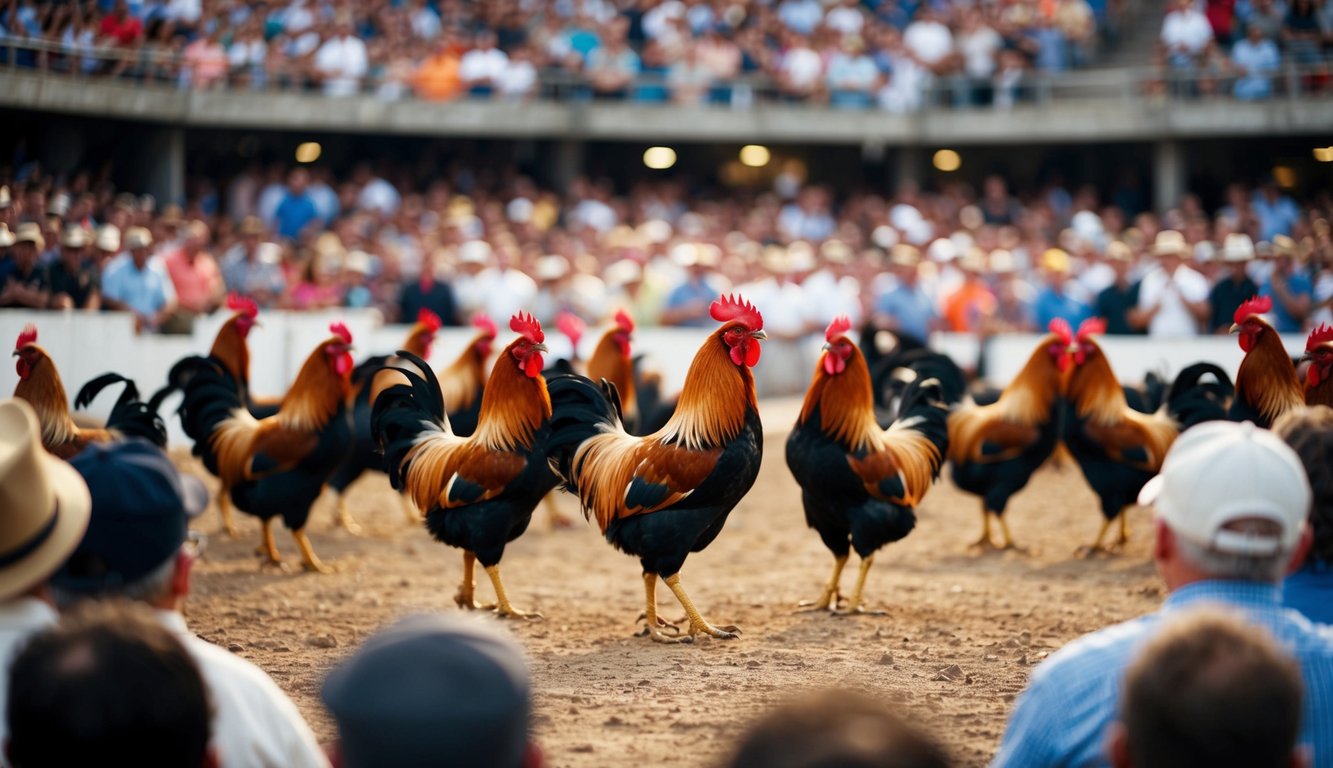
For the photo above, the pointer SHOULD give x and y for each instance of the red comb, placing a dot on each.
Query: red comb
(28, 336)
(839, 327)
(1255, 306)
(625, 322)
(243, 304)
(1320, 335)
(340, 330)
(733, 307)
(429, 319)
(571, 325)
(1060, 327)
(1091, 326)
(485, 324)
(525, 325)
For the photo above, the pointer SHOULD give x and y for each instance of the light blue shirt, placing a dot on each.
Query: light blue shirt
(1310, 591)
(910, 308)
(1061, 719)
(1258, 61)
(145, 291)
(1298, 284)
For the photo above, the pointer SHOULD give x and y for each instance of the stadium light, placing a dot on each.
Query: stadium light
(947, 160)
(755, 155)
(1323, 154)
(308, 152)
(659, 158)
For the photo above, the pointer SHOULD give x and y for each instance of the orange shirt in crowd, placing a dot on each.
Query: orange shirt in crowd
(437, 78)
(198, 284)
(964, 310)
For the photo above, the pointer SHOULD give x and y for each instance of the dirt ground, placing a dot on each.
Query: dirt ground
(961, 632)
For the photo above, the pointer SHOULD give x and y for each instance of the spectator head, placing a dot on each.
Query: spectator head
(135, 544)
(28, 242)
(107, 242)
(836, 728)
(139, 240)
(298, 180)
(1231, 502)
(73, 243)
(196, 237)
(1120, 257)
(45, 503)
(252, 229)
(1238, 251)
(1309, 432)
(1170, 249)
(434, 690)
(110, 685)
(1254, 33)
(1284, 251)
(1055, 265)
(1209, 690)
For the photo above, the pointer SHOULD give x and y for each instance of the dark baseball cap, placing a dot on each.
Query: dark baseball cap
(141, 509)
(431, 691)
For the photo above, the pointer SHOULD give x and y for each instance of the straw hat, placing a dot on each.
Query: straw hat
(6, 237)
(904, 255)
(30, 232)
(45, 502)
(108, 238)
(1283, 246)
(551, 267)
(138, 237)
(1055, 260)
(1237, 247)
(1118, 251)
(1169, 243)
(75, 236)
(1002, 262)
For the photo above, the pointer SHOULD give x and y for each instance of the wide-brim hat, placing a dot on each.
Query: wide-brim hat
(1170, 243)
(30, 232)
(44, 500)
(6, 237)
(1237, 247)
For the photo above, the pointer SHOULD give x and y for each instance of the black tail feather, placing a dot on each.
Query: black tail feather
(1191, 401)
(580, 409)
(402, 412)
(129, 416)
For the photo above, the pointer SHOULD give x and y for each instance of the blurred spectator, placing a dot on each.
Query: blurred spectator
(1186, 35)
(1309, 589)
(253, 267)
(1173, 299)
(1277, 213)
(73, 279)
(688, 78)
(107, 686)
(905, 308)
(1054, 299)
(612, 67)
(839, 728)
(138, 548)
(296, 206)
(206, 61)
(1116, 303)
(1231, 506)
(1289, 286)
(431, 291)
(483, 65)
(1256, 60)
(134, 282)
(39, 493)
(1209, 690)
(195, 276)
(23, 281)
(434, 690)
(929, 40)
(852, 76)
(968, 308)
(1236, 287)
(121, 27)
(687, 303)
(341, 62)
(437, 78)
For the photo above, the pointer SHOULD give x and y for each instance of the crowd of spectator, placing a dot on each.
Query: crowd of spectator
(849, 53)
(1247, 43)
(956, 259)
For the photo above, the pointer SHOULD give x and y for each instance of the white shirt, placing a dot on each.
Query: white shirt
(803, 66)
(342, 61)
(254, 723)
(20, 619)
(1174, 318)
(1187, 28)
(479, 65)
(847, 20)
(519, 79)
(930, 41)
(379, 195)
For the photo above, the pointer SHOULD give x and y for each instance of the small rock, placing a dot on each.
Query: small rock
(582, 749)
(949, 673)
(236, 647)
(990, 657)
(752, 664)
(886, 658)
(677, 667)
(322, 641)
(614, 721)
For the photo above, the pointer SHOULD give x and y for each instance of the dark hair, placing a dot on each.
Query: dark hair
(109, 685)
(836, 729)
(1211, 690)
(1309, 432)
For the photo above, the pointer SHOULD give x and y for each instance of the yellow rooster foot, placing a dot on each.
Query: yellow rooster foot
(658, 636)
(659, 624)
(466, 601)
(507, 611)
(315, 566)
(858, 610)
(1089, 551)
(729, 632)
(829, 601)
(984, 544)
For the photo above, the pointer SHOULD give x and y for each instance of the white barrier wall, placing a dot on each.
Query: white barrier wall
(85, 345)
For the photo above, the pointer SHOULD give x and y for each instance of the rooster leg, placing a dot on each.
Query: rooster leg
(410, 509)
(854, 605)
(224, 509)
(654, 624)
(344, 516)
(557, 518)
(828, 600)
(1008, 537)
(268, 547)
(985, 541)
(1124, 529)
(502, 605)
(1088, 549)
(697, 622)
(308, 559)
(465, 598)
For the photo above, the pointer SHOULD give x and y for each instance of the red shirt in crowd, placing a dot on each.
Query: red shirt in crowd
(126, 30)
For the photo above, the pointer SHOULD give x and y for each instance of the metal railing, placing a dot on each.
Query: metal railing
(168, 68)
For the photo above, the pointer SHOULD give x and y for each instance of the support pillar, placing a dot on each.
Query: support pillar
(164, 165)
(1168, 175)
(910, 165)
(566, 163)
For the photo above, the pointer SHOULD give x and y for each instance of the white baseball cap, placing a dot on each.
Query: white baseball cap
(1220, 472)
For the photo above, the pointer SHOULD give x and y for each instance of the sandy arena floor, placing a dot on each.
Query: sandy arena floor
(961, 633)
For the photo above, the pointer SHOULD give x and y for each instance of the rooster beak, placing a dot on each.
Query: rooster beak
(15, 353)
(1235, 328)
(827, 346)
(540, 348)
(759, 334)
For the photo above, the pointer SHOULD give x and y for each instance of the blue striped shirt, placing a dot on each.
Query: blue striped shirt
(1062, 718)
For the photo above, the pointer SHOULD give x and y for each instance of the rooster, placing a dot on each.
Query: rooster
(663, 496)
(1117, 448)
(478, 492)
(276, 466)
(612, 360)
(40, 384)
(995, 448)
(362, 456)
(860, 483)
(1266, 383)
(1317, 367)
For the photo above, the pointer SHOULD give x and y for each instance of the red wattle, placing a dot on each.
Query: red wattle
(751, 353)
(23, 370)
(833, 365)
(533, 365)
(344, 364)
